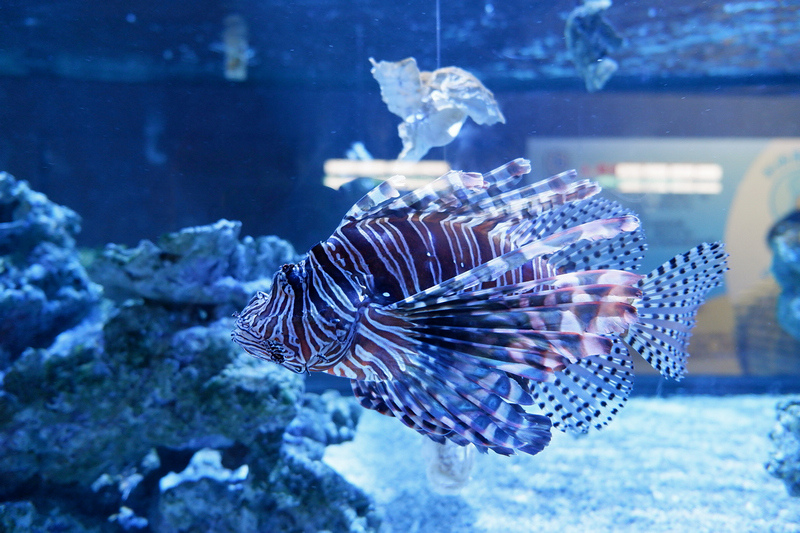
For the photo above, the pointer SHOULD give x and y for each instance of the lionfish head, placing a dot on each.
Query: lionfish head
(266, 323)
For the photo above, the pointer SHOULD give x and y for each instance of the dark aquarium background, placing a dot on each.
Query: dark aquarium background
(123, 113)
(145, 142)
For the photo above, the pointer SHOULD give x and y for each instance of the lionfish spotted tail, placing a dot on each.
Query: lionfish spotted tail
(592, 391)
(481, 310)
(671, 296)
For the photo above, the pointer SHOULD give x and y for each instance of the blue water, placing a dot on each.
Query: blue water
(136, 119)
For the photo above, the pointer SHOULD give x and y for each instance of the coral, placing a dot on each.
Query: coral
(157, 383)
(28, 217)
(204, 265)
(23, 517)
(44, 290)
(589, 39)
(304, 492)
(433, 105)
(784, 462)
(784, 241)
(113, 419)
(204, 464)
(322, 420)
(208, 505)
(140, 414)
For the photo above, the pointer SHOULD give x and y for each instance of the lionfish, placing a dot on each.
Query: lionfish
(484, 310)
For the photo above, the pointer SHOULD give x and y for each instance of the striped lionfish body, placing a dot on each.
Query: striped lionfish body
(484, 311)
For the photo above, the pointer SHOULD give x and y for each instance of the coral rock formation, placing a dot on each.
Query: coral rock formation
(44, 290)
(784, 462)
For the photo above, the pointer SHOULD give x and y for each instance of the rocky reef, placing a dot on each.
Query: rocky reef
(784, 461)
(139, 413)
(44, 290)
(784, 241)
(204, 265)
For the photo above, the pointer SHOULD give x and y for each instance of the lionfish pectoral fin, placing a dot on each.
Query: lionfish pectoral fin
(528, 335)
(479, 371)
(439, 394)
(577, 379)
(450, 403)
(530, 329)
(671, 296)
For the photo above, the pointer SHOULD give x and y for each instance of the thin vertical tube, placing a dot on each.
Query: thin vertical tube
(438, 36)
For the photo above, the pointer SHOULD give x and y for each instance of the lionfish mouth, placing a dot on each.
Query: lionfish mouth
(268, 350)
(242, 336)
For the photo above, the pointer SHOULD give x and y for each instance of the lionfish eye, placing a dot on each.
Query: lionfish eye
(292, 276)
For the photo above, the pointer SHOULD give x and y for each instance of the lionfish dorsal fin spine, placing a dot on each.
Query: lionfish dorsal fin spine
(590, 231)
(373, 201)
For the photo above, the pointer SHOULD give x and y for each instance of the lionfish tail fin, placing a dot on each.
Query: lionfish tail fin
(671, 296)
